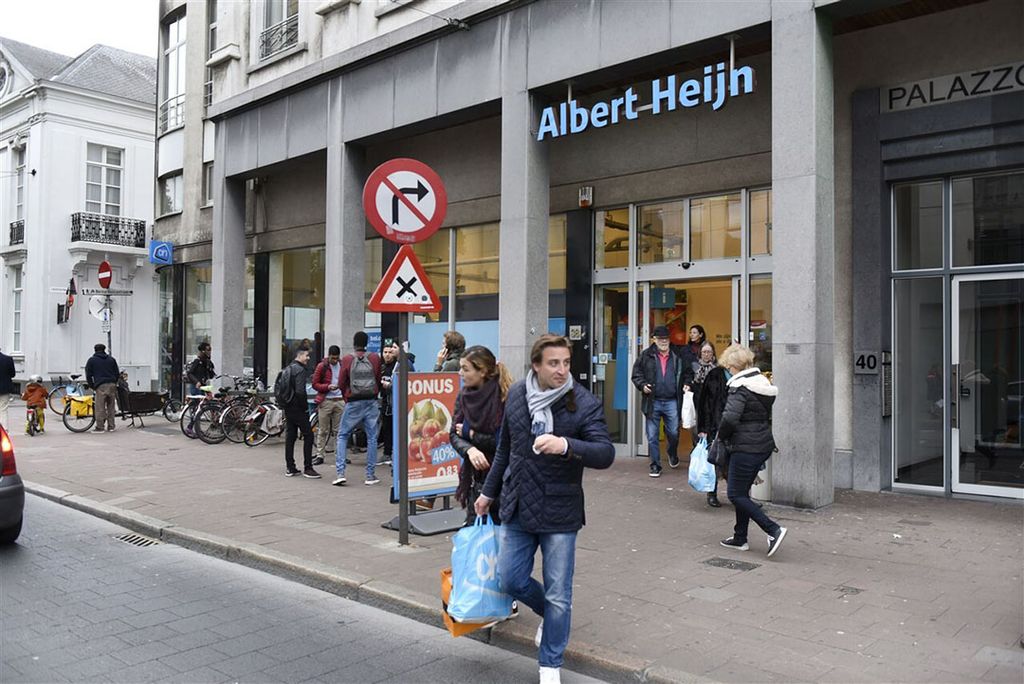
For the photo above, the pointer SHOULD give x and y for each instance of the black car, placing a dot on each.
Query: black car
(12, 492)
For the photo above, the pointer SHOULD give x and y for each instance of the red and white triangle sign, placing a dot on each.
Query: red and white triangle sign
(405, 287)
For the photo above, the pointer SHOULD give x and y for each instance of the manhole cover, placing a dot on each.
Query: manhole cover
(730, 564)
(136, 540)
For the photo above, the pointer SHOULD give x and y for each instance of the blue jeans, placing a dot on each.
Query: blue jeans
(667, 410)
(743, 469)
(553, 600)
(365, 413)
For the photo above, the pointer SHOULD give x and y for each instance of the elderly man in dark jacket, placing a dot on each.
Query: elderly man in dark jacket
(662, 373)
(102, 374)
(550, 432)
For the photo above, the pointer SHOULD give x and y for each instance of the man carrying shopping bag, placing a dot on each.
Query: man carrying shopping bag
(550, 432)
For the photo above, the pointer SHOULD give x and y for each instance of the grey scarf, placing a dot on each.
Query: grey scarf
(540, 403)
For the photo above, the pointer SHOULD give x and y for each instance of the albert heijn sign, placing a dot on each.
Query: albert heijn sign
(405, 201)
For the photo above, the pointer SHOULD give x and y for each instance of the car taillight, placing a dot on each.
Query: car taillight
(7, 451)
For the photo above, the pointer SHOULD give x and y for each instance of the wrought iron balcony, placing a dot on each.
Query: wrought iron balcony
(17, 232)
(172, 113)
(279, 37)
(110, 230)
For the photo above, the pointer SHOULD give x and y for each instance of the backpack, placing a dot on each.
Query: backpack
(362, 380)
(284, 390)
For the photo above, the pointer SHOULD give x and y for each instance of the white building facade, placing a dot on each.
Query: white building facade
(76, 189)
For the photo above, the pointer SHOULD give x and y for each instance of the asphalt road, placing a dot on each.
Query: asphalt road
(76, 604)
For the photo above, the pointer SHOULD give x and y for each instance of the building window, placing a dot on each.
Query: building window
(661, 233)
(19, 184)
(760, 222)
(280, 26)
(16, 310)
(611, 246)
(715, 225)
(103, 179)
(207, 184)
(988, 219)
(198, 307)
(172, 71)
(170, 194)
(918, 223)
(211, 45)
(295, 305)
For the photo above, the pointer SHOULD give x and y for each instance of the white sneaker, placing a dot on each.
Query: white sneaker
(550, 675)
(536, 638)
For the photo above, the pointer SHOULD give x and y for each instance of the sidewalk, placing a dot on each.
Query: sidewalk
(879, 587)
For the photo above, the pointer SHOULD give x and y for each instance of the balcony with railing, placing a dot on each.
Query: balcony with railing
(17, 232)
(279, 37)
(171, 113)
(106, 229)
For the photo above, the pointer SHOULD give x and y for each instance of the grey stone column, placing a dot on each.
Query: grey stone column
(523, 299)
(345, 232)
(803, 288)
(228, 265)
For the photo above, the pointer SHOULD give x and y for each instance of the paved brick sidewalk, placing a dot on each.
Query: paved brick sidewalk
(878, 587)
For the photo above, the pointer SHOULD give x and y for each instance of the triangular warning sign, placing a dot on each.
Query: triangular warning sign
(405, 286)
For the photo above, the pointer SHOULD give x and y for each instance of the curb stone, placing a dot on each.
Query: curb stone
(510, 636)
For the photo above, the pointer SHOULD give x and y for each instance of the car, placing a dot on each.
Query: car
(12, 492)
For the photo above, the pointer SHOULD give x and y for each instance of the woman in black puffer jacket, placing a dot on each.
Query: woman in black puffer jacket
(746, 427)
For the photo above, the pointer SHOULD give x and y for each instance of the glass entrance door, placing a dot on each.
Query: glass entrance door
(988, 384)
(613, 360)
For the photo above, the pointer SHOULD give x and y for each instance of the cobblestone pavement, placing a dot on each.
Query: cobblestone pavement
(77, 605)
(878, 587)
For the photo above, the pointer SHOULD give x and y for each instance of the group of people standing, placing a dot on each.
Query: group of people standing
(733, 402)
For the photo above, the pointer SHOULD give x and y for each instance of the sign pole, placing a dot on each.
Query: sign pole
(403, 432)
(110, 349)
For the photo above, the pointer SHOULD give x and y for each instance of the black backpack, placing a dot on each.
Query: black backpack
(284, 388)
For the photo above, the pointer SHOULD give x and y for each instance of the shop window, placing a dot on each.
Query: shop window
(476, 272)
(434, 254)
(373, 271)
(715, 227)
(760, 222)
(918, 402)
(988, 220)
(166, 327)
(761, 322)
(198, 307)
(296, 305)
(611, 243)
(661, 233)
(557, 229)
(918, 218)
(249, 317)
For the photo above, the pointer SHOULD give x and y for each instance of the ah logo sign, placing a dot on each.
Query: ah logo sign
(161, 253)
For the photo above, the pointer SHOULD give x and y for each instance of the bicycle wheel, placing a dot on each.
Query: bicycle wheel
(232, 422)
(173, 409)
(207, 423)
(55, 399)
(255, 434)
(185, 422)
(78, 423)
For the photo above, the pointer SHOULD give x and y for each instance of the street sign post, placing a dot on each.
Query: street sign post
(405, 201)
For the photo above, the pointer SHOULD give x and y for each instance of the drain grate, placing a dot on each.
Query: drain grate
(137, 540)
(731, 564)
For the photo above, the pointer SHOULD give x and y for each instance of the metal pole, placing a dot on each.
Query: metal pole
(402, 413)
(110, 348)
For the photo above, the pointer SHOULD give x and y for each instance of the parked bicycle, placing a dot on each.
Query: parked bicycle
(60, 390)
(223, 418)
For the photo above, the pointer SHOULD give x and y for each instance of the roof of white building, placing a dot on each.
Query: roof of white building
(101, 68)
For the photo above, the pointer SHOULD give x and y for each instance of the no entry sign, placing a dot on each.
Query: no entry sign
(104, 275)
(404, 200)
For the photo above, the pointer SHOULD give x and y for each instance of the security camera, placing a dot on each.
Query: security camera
(686, 264)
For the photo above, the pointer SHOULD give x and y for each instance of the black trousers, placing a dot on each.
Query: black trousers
(298, 421)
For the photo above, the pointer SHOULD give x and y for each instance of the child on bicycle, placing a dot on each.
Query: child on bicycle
(34, 397)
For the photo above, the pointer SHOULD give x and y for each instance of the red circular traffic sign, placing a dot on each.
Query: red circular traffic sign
(405, 200)
(104, 275)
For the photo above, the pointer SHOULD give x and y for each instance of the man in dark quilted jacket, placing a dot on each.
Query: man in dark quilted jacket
(550, 432)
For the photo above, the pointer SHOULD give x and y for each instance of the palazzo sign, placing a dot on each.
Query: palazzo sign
(962, 86)
(666, 94)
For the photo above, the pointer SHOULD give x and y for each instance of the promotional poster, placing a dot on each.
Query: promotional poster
(433, 463)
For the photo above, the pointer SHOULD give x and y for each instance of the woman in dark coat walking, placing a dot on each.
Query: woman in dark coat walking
(709, 392)
(479, 409)
(746, 427)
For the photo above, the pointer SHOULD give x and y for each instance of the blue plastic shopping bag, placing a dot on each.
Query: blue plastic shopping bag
(475, 595)
(702, 473)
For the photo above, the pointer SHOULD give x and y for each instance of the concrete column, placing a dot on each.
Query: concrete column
(803, 207)
(345, 232)
(523, 249)
(228, 265)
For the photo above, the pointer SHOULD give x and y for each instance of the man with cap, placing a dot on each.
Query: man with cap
(662, 373)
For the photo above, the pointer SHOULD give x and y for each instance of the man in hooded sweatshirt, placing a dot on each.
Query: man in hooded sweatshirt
(102, 373)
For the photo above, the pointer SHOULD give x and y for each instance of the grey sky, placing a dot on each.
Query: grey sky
(72, 26)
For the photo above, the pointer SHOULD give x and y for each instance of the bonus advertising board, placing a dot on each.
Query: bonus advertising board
(433, 462)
